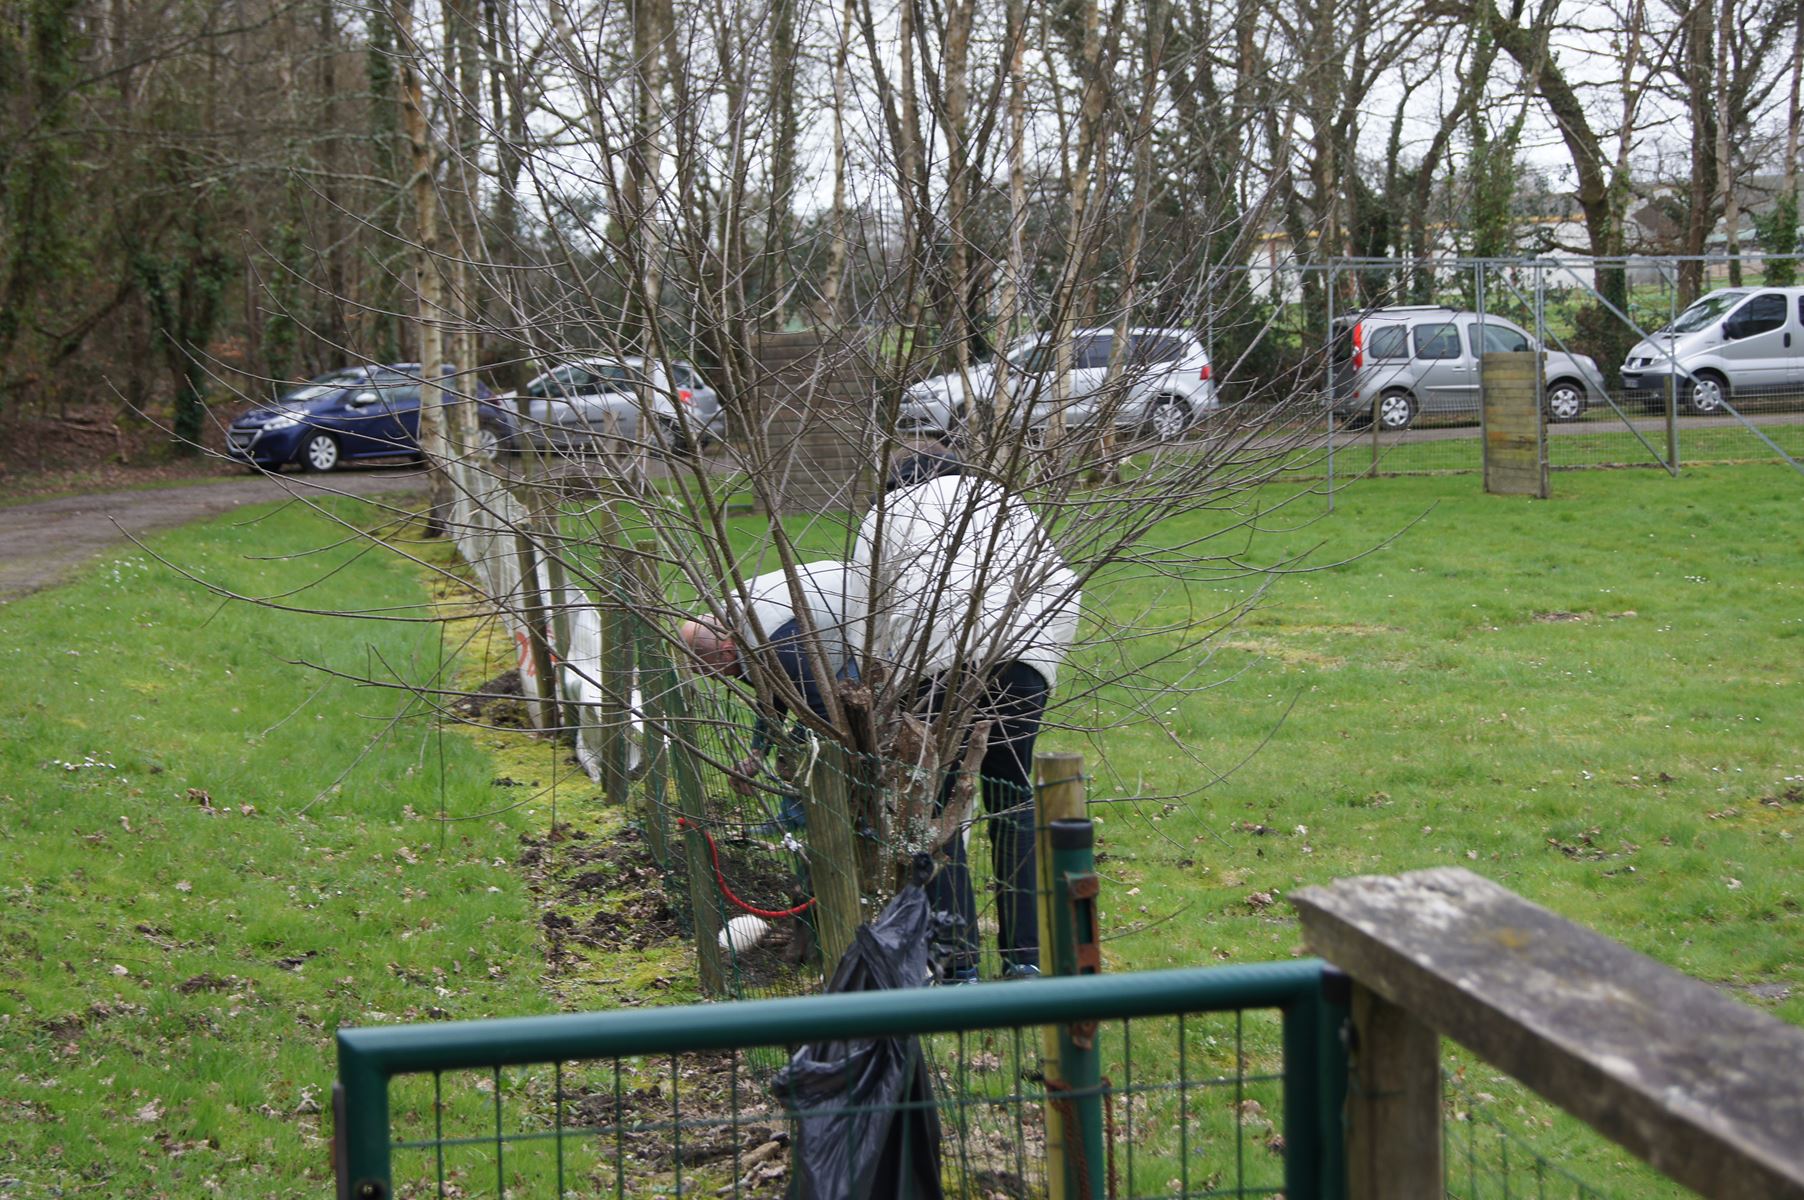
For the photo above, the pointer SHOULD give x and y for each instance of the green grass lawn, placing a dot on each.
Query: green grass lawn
(186, 919)
(1592, 700)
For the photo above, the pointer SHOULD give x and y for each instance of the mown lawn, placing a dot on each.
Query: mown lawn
(1592, 700)
(185, 917)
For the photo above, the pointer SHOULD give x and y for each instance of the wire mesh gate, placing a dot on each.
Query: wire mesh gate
(1217, 1081)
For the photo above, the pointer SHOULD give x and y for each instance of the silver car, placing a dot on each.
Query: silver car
(576, 404)
(1734, 343)
(1165, 383)
(1415, 360)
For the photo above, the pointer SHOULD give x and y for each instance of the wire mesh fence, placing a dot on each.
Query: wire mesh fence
(1485, 1158)
(1634, 375)
(1214, 1082)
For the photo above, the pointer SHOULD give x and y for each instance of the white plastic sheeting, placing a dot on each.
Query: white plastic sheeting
(484, 518)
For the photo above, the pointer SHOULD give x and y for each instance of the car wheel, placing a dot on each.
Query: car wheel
(488, 444)
(320, 452)
(1708, 392)
(1396, 410)
(1168, 420)
(1565, 401)
(670, 434)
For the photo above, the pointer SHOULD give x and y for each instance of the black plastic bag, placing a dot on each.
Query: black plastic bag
(862, 1111)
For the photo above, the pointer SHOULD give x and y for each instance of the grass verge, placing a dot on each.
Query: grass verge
(191, 905)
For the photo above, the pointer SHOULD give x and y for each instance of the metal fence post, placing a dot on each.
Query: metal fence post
(360, 1146)
(1315, 1092)
(1058, 795)
(1077, 950)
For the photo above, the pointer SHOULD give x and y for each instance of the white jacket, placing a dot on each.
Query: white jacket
(965, 574)
(834, 594)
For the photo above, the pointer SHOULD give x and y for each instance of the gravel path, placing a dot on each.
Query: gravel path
(43, 543)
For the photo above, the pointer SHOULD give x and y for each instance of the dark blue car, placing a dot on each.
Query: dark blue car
(356, 412)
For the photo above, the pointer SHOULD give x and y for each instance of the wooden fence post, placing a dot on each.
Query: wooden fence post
(649, 652)
(832, 854)
(532, 602)
(616, 660)
(676, 729)
(545, 523)
(1393, 1102)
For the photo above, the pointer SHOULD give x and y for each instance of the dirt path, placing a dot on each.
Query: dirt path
(43, 543)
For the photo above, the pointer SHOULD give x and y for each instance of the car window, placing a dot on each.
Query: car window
(1437, 341)
(1092, 353)
(401, 397)
(1032, 359)
(1491, 338)
(616, 377)
(1155, 348)
(1388, 341)
(565, 381)
(1763, 314)
(1801, 310)
(679, 374)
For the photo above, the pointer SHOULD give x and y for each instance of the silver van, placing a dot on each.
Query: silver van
(1733, 344)
(1165, 386)
(1420, 360)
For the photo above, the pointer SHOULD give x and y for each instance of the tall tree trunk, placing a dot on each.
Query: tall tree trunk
(428, 290)
(838, 247)
(1781, 238)
(781, 97)
(992, 411)
(1700, 193)
(1725, 164)
(644, 246)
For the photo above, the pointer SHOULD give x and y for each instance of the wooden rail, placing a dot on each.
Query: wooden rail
(1708, 1090)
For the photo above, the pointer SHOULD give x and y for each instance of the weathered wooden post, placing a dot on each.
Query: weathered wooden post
(832, 853)
(678, 728)
(649, 651)
(1700, 1086)
(616, 658)
(1515, 445)
(545, 525)
(532, 604)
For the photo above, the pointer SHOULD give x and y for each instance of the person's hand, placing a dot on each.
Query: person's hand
(745, 771)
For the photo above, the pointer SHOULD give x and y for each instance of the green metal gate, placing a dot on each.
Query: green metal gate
(1215, 1082)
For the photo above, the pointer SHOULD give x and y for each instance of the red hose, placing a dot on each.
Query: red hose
(714, 854)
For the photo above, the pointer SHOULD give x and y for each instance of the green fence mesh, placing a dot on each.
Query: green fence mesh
(1216, 1082)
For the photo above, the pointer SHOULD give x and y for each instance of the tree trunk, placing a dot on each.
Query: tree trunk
(428, 290)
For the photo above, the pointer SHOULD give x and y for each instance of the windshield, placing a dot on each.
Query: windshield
(1033, 358)
(312, 391)
(320, 385)
(1707, 310)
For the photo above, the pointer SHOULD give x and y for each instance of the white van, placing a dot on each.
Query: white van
(1734, 344)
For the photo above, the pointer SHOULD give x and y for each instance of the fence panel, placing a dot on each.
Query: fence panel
(1216, 1081)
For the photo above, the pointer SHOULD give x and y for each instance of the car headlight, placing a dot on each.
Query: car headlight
(285, 421)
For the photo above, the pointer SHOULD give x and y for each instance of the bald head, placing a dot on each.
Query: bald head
(711, 645)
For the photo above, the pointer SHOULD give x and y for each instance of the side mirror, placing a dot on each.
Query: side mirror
(1734, 329)
(364, 399)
